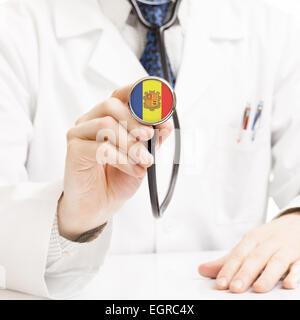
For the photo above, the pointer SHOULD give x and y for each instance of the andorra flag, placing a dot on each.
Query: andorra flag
(151, 101)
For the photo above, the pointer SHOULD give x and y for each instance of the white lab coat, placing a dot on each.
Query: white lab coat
(59, 58)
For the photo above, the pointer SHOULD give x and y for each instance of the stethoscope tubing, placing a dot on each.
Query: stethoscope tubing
(158, 209)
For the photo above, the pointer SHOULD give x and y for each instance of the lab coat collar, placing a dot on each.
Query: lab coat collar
(76, 17)
(205, 25)
(117, 11)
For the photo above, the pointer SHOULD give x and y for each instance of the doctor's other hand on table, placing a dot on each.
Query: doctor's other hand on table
(73, 159)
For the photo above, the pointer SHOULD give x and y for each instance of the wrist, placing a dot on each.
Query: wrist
(64, 228)
(91, 234)
(74, 228)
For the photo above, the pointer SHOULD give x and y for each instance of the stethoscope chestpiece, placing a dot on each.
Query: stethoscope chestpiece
(152, 101)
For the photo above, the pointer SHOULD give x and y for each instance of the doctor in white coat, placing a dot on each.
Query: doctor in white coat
(62, 210)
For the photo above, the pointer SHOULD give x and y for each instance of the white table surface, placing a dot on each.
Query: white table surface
(162, 276)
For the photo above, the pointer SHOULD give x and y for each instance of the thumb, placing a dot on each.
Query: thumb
(122, 93)
(212, 268)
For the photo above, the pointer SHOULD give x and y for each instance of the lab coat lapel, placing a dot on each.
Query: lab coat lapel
(211, 23)
(76, 17)
(111, 58)
(114, 60)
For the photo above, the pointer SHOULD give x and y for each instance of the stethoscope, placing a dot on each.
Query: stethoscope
(158, 209)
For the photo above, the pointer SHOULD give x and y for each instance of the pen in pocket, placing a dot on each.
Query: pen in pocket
(256, 119)
(245, 121)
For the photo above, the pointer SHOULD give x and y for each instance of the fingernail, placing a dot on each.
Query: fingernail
(222, 282)
(294, 283)
(237, 284)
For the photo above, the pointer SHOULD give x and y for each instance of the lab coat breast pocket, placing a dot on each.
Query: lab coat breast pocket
(241, 175)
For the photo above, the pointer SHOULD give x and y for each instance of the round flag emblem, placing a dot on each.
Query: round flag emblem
(152, 101)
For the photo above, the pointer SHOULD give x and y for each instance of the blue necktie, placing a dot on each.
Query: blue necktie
(155, 14)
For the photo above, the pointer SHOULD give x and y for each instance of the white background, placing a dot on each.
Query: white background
(289, 6)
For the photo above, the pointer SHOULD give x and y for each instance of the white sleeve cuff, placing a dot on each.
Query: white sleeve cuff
(59, 246)
(71, 265)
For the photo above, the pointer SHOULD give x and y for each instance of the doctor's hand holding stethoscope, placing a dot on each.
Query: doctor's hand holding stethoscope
(95, 189)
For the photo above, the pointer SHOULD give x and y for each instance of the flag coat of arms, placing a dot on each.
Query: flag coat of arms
(152, 101)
